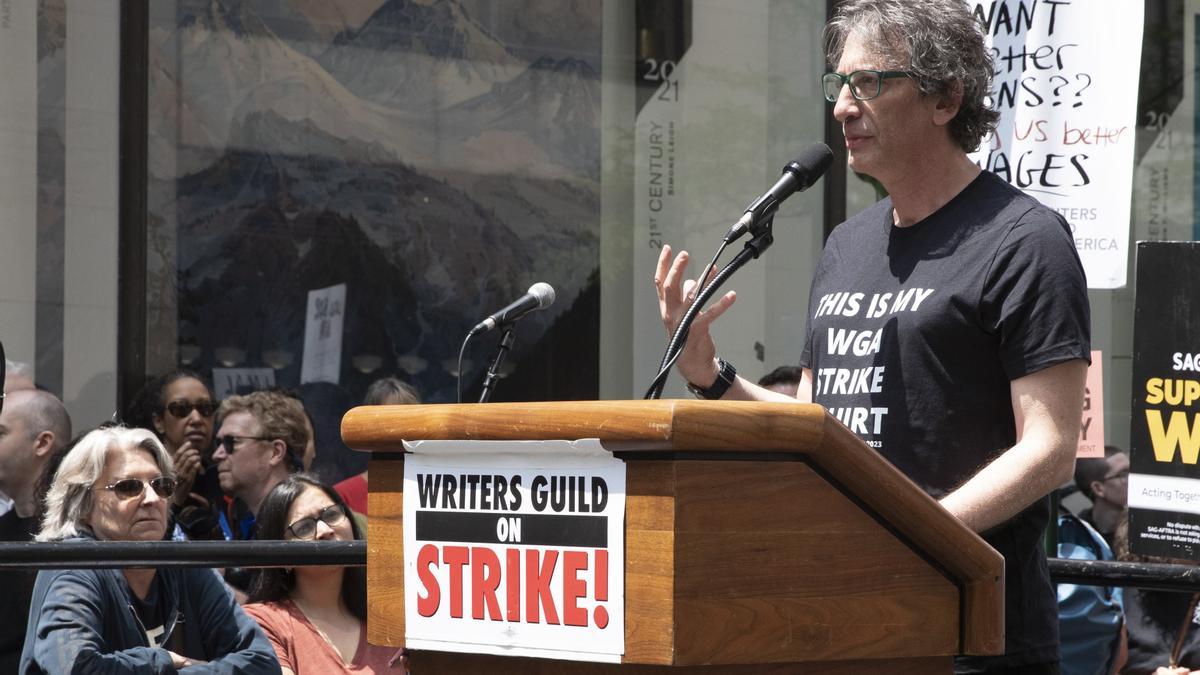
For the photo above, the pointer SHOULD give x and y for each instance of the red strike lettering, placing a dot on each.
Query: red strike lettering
(537, 586)
(427, 605)
(456, 557)
(574, 588)
(485, 579)
(488, 570)
(512, 608)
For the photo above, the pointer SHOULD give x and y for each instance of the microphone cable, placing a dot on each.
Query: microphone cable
(461, 351)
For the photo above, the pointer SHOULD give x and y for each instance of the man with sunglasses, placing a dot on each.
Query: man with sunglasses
(259, 444)
(948, 323)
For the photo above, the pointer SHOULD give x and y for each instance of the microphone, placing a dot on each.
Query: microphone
(798, 175)
(539, 296)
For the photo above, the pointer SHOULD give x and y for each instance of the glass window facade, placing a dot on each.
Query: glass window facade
(404, 168)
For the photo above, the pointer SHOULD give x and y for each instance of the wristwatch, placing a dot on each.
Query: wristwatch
(726, 374)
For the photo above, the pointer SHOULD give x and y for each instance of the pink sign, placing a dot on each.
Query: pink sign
(1091, 428)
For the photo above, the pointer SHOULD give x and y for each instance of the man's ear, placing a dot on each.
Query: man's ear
(43, 444)
(947, 105)
(1097, 490)
(279, 452)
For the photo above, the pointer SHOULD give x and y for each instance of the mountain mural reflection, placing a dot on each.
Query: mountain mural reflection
(438, 157)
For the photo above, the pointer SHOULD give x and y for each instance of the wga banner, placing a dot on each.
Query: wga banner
(1066, 79)
(1164, 484)
(516, 553)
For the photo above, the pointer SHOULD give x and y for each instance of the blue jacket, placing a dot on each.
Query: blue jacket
(82, 621)
(1089, 617)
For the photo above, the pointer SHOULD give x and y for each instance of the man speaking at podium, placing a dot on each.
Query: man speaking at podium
(948, 324)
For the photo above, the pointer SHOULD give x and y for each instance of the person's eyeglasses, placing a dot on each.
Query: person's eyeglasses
(131, 488)
(864, 84)
(230, 441)
(182, 409)
(1119, 474)
(305, 528)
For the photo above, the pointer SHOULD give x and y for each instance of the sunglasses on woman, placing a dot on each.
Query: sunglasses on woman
(181, 409)
(305, 528)
(131, 488)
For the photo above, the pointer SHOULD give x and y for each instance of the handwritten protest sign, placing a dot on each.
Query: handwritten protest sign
(1066, 79)
(323, 335)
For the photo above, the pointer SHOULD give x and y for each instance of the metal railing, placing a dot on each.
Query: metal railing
(94, 555)
(1155, 576)
(101, 554)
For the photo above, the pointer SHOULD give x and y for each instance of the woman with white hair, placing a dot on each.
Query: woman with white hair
(115, 485)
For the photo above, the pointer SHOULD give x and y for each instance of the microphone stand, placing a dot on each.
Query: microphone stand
(489, 382)
(761, 241)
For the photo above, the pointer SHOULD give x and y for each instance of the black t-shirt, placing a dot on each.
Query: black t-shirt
(914, 336)
(150, 614)
(18, 589)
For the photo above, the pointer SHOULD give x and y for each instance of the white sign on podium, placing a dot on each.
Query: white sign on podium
(515, 548)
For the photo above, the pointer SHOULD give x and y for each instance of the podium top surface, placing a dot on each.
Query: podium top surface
(628, 425)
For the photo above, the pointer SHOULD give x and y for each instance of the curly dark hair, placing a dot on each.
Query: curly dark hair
(938, 41)
(148, 402)
(272, 584)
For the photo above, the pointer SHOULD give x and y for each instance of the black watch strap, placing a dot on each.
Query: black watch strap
(726, 374)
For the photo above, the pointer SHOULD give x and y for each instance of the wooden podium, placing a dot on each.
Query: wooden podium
(759, 537)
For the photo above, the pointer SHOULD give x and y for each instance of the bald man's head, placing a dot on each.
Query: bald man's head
(33, 425)
(41, 412)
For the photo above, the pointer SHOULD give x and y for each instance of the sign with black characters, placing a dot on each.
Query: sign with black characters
(1164, 479)
(1065, 78)
(515, 548)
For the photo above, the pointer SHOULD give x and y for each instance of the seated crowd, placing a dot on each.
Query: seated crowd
(164, 474)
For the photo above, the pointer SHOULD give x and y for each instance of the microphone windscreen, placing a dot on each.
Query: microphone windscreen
(544, 293)
(812, 163)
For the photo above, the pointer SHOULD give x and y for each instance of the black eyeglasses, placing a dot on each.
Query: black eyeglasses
(1119, 474)
(230, 441)
(182, 409)
(131, 488)
(864, 84)
(305, 528)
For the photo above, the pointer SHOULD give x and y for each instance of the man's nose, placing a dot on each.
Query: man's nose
(846, 106)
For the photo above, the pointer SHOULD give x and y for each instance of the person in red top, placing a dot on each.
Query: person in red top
(314, 617)
(384, 391)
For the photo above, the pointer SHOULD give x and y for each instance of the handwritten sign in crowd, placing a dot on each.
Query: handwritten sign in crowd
(1065, 84)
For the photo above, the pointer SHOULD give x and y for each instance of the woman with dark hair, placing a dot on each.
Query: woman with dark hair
(315, 617)
(183, 419)
(179, 408)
